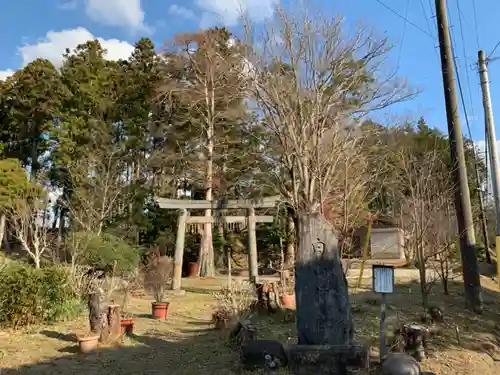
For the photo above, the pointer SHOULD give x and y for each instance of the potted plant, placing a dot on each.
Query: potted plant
(127, 319)
(127, 324)
(159, 307)
(158, 277)
(288, 293)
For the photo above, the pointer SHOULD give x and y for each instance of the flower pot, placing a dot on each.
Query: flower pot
(160, 310)
(127, 326)
(193, 269)
(288, 301)
(88, 343)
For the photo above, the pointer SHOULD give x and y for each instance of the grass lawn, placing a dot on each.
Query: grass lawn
(186, 343)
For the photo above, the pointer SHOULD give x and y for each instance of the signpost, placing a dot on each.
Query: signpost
(383, 283)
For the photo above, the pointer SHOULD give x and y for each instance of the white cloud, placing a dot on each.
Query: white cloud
(68, 5)
(4, 74)
(55, 43)
(228, 12)
(122, 13)
(180, 11)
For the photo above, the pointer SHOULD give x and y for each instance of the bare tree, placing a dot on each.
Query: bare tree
(205, 79)
(26, 218)
(99, 188)
(361, 176)
(442, 240)
(311, 82)
(426, 192)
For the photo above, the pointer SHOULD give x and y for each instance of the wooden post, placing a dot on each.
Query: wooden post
(179, 249)
(253, 266)
(366, 248)
(113, 331)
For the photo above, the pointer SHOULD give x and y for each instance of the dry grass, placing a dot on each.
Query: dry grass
(186, 344)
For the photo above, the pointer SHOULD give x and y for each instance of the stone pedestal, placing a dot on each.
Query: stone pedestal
(328, 359)
(263, 354)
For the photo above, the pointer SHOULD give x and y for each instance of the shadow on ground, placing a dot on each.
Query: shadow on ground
(461, 330)
(150, 353)
(197, 349)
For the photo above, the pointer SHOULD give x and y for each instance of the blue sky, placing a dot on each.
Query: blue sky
(35, 28)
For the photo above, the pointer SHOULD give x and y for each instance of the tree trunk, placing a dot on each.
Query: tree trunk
(3, 220)
(421, 259)
(95, 307)
(446, 290)
(290, 242)
(36, 259)
(206, 258)
(323, 310)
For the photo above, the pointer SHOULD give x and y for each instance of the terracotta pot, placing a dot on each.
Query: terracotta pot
(88, 343)
(160, 310)
(288, 301)
(193, 269)
(127, 326)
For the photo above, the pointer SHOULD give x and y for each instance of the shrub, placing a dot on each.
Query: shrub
(158, 276)
(33, 296)
(108, 251)
(234, 302)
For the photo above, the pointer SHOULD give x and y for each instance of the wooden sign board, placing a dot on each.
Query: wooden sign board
(383, 279)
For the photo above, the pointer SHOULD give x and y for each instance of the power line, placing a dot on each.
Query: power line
(404, 18)
(404, 33)
(453, 48)
(460, 20)
(425, 16)
(490, 56)
(433, 14)
(475, 22)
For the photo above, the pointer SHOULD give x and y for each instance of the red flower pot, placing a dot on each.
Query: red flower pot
(127, 326)
(160, 310)
(288, 301)
(193, 269)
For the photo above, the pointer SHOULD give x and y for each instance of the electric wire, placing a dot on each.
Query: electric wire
(404, 18)
(403, 36)
(433, 15)
(490, 56)
(459, 81)
(475, 22)
(461, 27)
(425, 16)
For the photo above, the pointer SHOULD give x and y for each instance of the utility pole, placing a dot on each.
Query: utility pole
(492, 148)
(472, 284)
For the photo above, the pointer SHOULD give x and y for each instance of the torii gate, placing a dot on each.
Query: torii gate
(217, 205)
